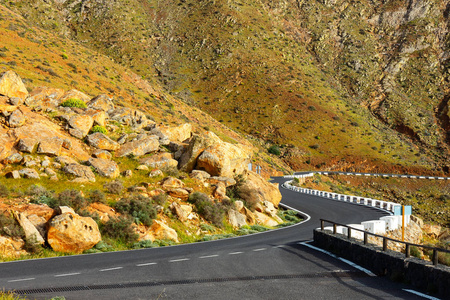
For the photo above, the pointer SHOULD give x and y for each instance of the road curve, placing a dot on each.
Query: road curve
(270, 265)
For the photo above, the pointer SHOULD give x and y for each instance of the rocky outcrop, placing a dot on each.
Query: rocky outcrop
(139, 147)
(80, 125)
(236, 219)
(104, 167)
(181, 211)
(11, 85)
(178, 133)
(101, 102)
(160, 161)
(71, 233)
(32, 235)
(101, 141)
(160, 231)
(84, 173)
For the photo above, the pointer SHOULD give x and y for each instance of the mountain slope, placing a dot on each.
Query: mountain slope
(341, 84)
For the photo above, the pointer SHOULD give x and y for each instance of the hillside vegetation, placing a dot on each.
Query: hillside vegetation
(336, 83)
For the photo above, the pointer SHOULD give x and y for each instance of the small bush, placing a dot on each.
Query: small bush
(114, 187)
(10, 227)
(119, 228)
(414, 251)
(74, 102)
(171, 171)
(275, 150)
(213, 212)
(97, 196)
(98, 128)
(138, 207)
(160, 199)
(71, 198)
(145, 244)
(4, 191)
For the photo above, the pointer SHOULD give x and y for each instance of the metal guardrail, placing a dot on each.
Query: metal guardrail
(385, 240)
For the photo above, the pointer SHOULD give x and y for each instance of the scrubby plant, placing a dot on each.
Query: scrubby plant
(275, 150)
(4, 191)
(10, 227)
(119, 228)
(213, 212)
(71, 198)
(98, 128)
(145, 244)
(74, 102)
(114, 187)
(140, 208)
(97, 196)
(160, 199)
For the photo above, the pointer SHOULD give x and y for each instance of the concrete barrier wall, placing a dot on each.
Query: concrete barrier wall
(419, 273)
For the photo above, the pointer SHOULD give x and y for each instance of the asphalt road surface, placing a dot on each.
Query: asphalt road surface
(270, 265)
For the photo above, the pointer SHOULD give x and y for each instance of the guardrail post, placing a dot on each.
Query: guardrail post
(435, 257)
(321, 224)
(385, 244)
(349, 232)
(334, 228)
(365, 237)
(407, 251)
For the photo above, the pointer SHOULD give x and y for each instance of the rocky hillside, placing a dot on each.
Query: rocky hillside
(336, 83)
(64, 150)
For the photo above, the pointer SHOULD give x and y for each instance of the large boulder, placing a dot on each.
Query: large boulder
(101, 141)
(265, 220)
(72, 233)
(101, 102)
(224, 159)
(50, 146)
(11, 85)
(139, 147)
(74, 94)
(16, 119)
(236, 219)
(29, 173)
(44, 97)
(161, 231)
(99, 116)
(171, 183)
(11, 247)
(105, 167)
(130, 117)
(181, 211)
(178, 133)
(197, 144)
(80, 171)
(32, 235)
(80, 125)
(160, 161)
(255, 189)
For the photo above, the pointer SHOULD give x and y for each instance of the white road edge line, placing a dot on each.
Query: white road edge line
(111, 269)
(209, 256)
(23, 279)
(260, 249)
(177, 260)
(146, 264)
(234, 253)
(421, 294)
(340, 258)
(68, 274)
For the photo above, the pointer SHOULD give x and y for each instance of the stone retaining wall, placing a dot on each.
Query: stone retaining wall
(419, 273)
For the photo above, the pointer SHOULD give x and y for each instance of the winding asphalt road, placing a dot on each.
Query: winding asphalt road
(270, 265)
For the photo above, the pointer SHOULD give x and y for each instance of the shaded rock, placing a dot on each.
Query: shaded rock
(98, 116)
(161, 160)
(16, 119)
(171, 183)
(13, 174)
(105, 167)
(101, 102)
(255, 189)
(15, 158)
(238, 205)
(65, 160)
(220, 191)
(50, 172)
(236, 219)
(32, 235)
(71, 233)
(81, 123)
(127, 173)
(99, 153)
(177, 149)
(228, 181)
(101, 141)
(16, 101)
(11, 85)
(40, 223)
(177, 134)
(432, 230)
(50, 146)
(27, 145)
(84, 173)
(155, 173)
(130, 117)
(139, 147)
(29, 173)
(44, 97)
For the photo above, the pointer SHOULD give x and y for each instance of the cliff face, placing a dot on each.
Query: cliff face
(332, 78)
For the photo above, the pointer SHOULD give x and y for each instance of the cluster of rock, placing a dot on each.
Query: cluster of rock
(35, 145)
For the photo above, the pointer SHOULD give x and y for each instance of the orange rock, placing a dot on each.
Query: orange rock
(11, 85)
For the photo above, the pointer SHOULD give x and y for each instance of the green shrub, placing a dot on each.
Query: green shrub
(97, 196)
(160, 199)
(138, 207)
(74, 102)
(71, 198)
(114, 187)
(275, 150)
(414, 251)
(98, 128)
(4, 191)
(10, 227)
(213, 212)
(145, 244)
(119, 228)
